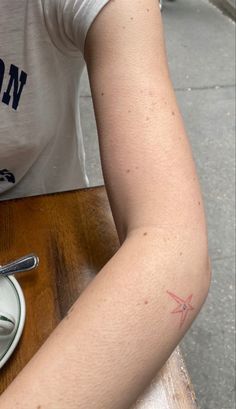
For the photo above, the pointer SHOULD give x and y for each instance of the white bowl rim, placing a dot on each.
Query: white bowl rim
(21, 322)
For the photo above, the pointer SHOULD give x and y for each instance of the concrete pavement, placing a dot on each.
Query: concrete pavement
(200, 47)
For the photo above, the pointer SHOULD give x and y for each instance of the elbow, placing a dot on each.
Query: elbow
(195, 272)
(200, 265)
(192, 274)
(178, 258)
(203, 281)
(195, 267)
(198, 282)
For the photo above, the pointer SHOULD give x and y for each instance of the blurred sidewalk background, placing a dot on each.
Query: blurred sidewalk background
(200, 45)
(228, 6)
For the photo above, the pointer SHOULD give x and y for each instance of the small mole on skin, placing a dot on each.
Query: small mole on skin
(102, 93)
(131, 18)
(172, 112)
(145, 234)
(180, 253)
(136, 167)
(145, 302)
(123, 27)
(39, 407)
(199, 203)
(147, 10)
(128, 170)
(147, 118)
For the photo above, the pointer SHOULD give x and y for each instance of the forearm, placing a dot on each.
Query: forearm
(120, 331)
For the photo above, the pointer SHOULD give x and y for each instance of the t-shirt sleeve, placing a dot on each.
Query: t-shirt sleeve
(68, 21)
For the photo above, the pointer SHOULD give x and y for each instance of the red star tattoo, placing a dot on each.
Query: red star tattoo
(184, 306)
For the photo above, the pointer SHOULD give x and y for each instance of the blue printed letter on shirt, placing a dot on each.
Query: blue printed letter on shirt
(14, 82)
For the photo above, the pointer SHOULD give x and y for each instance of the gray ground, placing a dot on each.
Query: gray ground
(200, 46)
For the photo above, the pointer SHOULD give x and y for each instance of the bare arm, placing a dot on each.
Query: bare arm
(132, 315)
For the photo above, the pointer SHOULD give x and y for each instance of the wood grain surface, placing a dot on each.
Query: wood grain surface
(74, 235)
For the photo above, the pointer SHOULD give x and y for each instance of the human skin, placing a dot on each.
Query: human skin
(133, 314)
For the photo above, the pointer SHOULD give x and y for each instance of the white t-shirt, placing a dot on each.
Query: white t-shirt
(41, 62)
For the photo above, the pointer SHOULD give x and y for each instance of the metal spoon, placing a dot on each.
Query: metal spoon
(21, 264)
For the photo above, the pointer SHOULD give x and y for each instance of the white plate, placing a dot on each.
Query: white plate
(12, 301)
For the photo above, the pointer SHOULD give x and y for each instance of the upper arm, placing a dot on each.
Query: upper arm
(146, 158)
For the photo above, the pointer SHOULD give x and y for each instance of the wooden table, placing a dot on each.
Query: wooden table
(74, 235)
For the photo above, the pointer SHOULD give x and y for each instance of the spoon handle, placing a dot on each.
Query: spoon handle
(21, 264)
